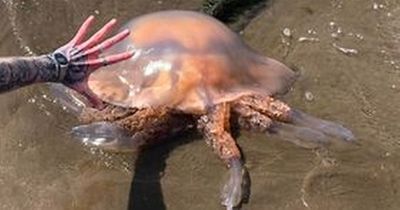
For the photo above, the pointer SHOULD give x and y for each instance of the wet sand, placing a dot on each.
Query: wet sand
(348, 56)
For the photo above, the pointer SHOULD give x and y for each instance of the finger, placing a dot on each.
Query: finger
(97, 37)
(80, 35)
(104, 45)
(119, 57)
(108, 60)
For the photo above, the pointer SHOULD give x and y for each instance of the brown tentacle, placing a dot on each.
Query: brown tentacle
(273, 108)
(250, 119)
(109, 113)
(215, 128)
(149, 125)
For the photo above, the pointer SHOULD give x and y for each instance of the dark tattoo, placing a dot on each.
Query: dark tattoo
(21, 71)
(73, 75)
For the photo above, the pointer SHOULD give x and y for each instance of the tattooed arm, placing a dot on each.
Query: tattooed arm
(17, 72)
(70, 65)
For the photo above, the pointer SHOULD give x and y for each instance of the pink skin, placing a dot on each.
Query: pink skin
(84, 57)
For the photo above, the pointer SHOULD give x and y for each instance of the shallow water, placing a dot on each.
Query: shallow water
(348, 56)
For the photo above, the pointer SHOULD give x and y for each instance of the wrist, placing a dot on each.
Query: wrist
(60, 64)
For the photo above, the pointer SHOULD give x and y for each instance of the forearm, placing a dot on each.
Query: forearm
(21, 71)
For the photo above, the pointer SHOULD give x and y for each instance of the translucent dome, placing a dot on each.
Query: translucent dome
(188, 61)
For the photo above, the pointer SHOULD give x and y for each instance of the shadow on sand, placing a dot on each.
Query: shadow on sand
(146, 192)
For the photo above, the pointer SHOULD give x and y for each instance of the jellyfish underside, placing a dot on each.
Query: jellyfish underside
(190, 70)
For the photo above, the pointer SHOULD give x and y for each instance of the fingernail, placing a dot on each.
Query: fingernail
(112, 21)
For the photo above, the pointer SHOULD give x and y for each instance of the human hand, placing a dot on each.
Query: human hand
(76, 60)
